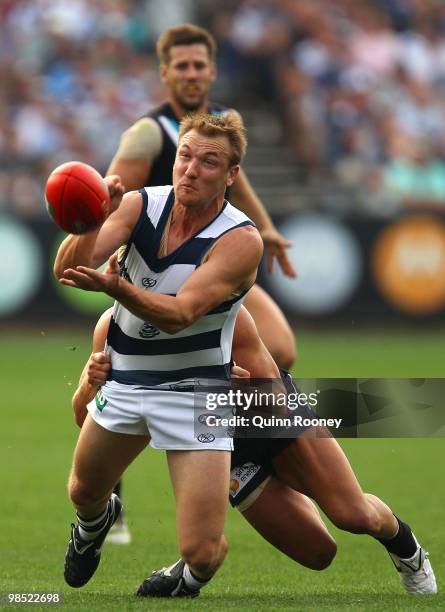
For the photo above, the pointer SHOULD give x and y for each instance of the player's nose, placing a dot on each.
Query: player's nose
(191, 73)
(192, 169)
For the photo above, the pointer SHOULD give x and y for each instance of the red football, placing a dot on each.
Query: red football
(77, 197)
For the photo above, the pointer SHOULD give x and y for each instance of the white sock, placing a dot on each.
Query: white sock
(193, 583)
(90, 528)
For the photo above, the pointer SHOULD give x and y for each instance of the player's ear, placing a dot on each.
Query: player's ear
(213, 72)
(163, 72)
(231, 177)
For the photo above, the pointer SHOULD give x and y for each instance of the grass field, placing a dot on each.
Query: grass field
(38, 374)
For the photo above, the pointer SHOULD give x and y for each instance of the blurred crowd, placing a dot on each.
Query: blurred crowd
(74, 75)
(359, 86)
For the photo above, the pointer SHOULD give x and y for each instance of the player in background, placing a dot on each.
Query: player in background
(279, 477)
(146, 155)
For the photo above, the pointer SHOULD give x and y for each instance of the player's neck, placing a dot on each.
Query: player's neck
(187, 221)
(181, 112)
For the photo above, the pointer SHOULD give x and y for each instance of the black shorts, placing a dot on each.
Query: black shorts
(252, 458)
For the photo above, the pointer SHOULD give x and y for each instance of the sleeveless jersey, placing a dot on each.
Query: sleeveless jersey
(140, 353)
(162, 167)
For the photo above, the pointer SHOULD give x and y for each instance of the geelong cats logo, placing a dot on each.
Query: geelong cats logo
(148, 331)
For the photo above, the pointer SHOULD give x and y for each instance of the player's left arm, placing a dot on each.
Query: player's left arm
(95, 371)
(243, 196)
(230, 268)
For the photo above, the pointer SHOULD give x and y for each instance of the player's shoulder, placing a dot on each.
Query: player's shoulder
(162, 110)
(155, 199)
(145, 126)
(156, 191)
(245, 236)
(235, 215)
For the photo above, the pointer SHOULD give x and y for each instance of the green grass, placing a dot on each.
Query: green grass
(37, 376)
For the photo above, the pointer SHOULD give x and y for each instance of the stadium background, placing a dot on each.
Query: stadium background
(344, 104)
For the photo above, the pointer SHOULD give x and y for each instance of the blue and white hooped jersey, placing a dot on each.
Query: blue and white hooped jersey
(140, 353)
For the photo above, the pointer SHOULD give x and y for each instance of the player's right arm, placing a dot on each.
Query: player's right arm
(95, 371)
(94, 248)
(139, 146)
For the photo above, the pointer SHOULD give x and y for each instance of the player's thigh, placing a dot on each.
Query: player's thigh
(101, 456)
(291, 522)
(319, 468)
(201, 487)
(273, 328)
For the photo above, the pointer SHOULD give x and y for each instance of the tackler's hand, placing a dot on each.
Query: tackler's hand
(116, 190)
(276, 246)
(98, 369)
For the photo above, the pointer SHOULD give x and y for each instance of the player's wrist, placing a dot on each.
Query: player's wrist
(118, 288)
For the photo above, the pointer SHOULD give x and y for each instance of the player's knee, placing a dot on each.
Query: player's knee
(80, 494)
(205, 556)
(322, 556)
(361, 518)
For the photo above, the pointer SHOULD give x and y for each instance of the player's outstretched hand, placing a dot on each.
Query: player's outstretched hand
(92, 280)
(98, 369)
(116, 190)
(276, 246)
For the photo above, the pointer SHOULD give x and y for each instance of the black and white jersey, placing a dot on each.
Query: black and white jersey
(140, 353)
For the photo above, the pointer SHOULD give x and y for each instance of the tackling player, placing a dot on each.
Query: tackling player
(278, 477)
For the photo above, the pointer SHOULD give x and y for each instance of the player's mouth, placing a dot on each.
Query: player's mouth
(187, 187)
(191, 89)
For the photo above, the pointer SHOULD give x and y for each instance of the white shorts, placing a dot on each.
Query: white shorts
(168, 417)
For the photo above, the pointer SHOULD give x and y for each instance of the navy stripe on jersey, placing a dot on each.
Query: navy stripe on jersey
(147, 239)
(225, 306)
(148, 378)
(127, 345)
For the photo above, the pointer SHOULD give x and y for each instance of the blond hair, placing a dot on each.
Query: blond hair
(229, 125)
(185, 34)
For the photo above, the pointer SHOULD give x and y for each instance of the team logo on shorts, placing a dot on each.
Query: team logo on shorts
(101, 402)
(205, 438)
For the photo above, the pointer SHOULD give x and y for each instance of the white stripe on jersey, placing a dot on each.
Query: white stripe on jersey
(131, 325)
(164, 363)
